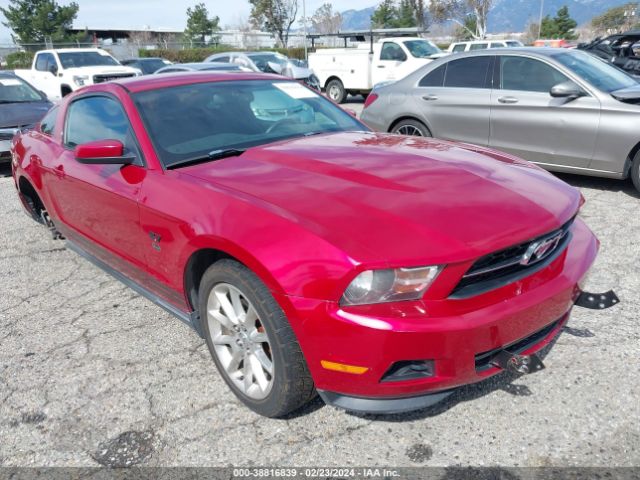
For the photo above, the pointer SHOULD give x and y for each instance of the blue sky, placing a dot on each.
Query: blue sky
(167, 13)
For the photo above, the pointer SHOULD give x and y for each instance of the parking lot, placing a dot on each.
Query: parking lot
(91, 373)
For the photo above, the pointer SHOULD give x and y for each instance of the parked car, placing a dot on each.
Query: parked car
(21, 106)
(57, 73)
(311, 254)
(201, 67)
(344, 71)
(458, 47)
(147, 65)
(553, 43)
(564, 110)
(622, 50)
(269, 62)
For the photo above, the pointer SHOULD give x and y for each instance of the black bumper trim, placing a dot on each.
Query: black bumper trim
(382, 405)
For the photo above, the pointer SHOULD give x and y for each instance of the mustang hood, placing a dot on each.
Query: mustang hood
(386, 197)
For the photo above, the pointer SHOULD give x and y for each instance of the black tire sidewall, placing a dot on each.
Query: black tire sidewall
(343, 94)
(415, 123)
(233, 273)
(634, 172)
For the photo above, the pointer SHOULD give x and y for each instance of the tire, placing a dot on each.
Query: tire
(266, 340)
(410, 127)
(634, 173)
(335, 91)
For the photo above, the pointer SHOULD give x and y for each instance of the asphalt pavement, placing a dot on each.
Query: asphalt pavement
(92, 374)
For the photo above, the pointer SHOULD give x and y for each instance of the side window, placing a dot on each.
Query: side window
(48, 123)
(528, 74)
(478, 46)
(41, 62)
(221, 59)
(392, 51)
(98, 118)
(468, 72)
(434, 78)
(459, 48)
(496, 45)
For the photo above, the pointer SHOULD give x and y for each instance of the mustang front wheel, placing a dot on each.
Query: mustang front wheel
(251, 341)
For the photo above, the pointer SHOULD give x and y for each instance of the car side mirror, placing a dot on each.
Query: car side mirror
(567, 90)
(53, 69)
(103, 152)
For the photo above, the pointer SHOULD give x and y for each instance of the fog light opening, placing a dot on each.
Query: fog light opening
(409, 370)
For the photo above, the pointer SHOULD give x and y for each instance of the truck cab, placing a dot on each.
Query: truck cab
(60, 72)
(344, 71)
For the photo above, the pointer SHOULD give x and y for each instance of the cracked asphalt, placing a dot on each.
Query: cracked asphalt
(92, 374)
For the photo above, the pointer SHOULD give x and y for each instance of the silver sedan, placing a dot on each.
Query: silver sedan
(564, 110)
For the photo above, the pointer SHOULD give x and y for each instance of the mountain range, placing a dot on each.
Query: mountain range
(505, 15)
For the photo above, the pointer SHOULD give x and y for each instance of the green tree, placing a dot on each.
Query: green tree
(560, 26)
(617, 19)
(275, 16)
(386, 15)
(565, 24)
(548, 28)
(406, 15)
(400, 14)
(467, 31)
(199, 25)
(38, 21)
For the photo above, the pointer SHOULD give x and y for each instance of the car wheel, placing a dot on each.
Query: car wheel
(412, 128)
(251, 341)
(635, 172)
(335, 91)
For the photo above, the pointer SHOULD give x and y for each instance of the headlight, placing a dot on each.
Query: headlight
(80, 79)
(378, 286)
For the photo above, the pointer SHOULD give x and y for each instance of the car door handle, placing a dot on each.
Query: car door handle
(508, 100)
(429, 98)
(381, 66)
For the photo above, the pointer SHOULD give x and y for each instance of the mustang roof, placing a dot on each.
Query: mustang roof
(154, 82)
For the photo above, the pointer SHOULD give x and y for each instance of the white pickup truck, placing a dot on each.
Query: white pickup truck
(355, 70)
(59, 72)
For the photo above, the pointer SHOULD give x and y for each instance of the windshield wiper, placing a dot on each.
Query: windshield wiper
(212, 155)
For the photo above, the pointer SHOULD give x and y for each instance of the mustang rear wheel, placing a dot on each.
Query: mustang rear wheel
(251, 341)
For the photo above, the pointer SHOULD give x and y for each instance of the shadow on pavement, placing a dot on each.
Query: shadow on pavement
(598, 183)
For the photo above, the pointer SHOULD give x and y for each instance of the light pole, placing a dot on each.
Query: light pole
(540, 21)
(304, 27)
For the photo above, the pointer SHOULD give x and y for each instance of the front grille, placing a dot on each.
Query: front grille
(513, 263)
(113, 76)
(483, 360)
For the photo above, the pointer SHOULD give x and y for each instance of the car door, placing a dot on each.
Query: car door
(46, 68)
(392, 55)
(528, 122)
(99, 202)
(455, 99)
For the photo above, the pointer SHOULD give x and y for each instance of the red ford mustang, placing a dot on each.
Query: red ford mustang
(312, 255)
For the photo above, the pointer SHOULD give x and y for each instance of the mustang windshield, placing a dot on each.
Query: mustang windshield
(191, 121)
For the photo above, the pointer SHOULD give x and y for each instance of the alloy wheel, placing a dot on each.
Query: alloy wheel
(410, 130)
(239, 341)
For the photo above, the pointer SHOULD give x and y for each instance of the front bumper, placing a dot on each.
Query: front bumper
(455, 337)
